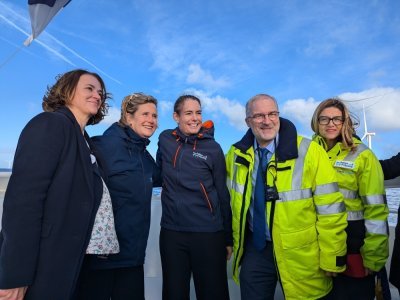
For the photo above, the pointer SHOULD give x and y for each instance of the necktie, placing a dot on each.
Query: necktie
(259, 202)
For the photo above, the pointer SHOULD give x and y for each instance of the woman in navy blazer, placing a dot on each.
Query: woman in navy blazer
(53, 193)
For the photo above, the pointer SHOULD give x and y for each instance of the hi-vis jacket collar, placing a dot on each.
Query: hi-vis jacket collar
(287, 149)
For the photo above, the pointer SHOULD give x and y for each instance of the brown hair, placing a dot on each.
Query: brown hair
(61, 93)
(347, 131)
(181, 100)
(131, 103)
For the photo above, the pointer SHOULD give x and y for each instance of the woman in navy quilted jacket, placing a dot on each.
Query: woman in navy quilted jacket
(131, 173)
(196, 236)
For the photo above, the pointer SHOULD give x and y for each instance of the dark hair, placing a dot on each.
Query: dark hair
(181, 100)
(347, 131)
(61, 93)
(131, 103)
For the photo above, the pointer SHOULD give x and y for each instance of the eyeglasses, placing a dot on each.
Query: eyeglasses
(326, 120)
(261, 117)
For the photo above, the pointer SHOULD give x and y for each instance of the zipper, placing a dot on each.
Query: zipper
(206, 197)
(176, 155)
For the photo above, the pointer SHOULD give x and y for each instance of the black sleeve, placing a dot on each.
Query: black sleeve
(38, 153)
(391, 167)
(219, 175)
(159, 161)
(157, 179)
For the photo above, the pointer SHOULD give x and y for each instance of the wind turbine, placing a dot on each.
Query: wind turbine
(367, 134)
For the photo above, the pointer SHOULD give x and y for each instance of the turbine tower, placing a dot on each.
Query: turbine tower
(367, 134)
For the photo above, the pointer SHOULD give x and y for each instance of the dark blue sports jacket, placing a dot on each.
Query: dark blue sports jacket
(194, 197)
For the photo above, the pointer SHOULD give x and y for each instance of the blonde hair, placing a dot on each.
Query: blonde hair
(131, 103)
(347, 131)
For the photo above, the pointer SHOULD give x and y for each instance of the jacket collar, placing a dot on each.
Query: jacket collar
(125, 132)
(287, 147)
(206, 132)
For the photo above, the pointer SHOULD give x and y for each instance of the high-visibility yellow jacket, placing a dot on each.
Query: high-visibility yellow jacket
(308, 227)
(360, 179)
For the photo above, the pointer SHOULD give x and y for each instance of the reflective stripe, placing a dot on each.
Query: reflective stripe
(355, 215)
(353, 155)
(328, 188)
(299, 164)
(234, 173)
(376, 227)
(374, 199)
(349, 194)
(239, 188)
(328, 209)
(295, 195)
(228, 183)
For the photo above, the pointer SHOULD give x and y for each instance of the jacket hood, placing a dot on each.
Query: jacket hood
(206, 132)
(287, 147)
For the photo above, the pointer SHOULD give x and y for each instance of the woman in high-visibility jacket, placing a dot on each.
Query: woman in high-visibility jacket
(360, 179)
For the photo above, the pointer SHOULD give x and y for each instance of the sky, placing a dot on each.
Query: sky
(224, 51)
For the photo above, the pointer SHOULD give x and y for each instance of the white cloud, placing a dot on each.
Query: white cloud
(199, 76)
(218, 105)
(381, 107)
(165, 107)
(299, 111)
(113, 116)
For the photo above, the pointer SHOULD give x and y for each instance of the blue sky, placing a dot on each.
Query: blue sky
(224, 51)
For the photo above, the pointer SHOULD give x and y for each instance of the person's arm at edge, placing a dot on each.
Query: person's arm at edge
(36, 159)
(219, 176)
(391, 167)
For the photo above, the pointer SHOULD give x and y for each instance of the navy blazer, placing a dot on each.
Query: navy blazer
(49, 208)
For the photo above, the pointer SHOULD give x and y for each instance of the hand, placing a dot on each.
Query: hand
(229, 250)
(330, 274)
(13, 294)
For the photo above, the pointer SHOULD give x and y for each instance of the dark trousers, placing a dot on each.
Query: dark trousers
(203, 254)
(116, 284)
(258, 275)
(349, 288)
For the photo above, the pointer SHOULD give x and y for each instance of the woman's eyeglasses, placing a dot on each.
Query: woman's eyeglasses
(326, 120)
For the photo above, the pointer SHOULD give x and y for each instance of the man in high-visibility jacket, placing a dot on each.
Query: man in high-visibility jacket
(302, 241)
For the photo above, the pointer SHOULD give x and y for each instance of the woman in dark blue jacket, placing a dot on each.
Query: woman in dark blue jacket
(131, 173)
(196, 234)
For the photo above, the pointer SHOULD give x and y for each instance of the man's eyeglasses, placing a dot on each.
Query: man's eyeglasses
(326, 120)
(261, 117)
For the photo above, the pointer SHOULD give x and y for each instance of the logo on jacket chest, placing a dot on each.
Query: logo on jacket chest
(199, 155)
(344, 164)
